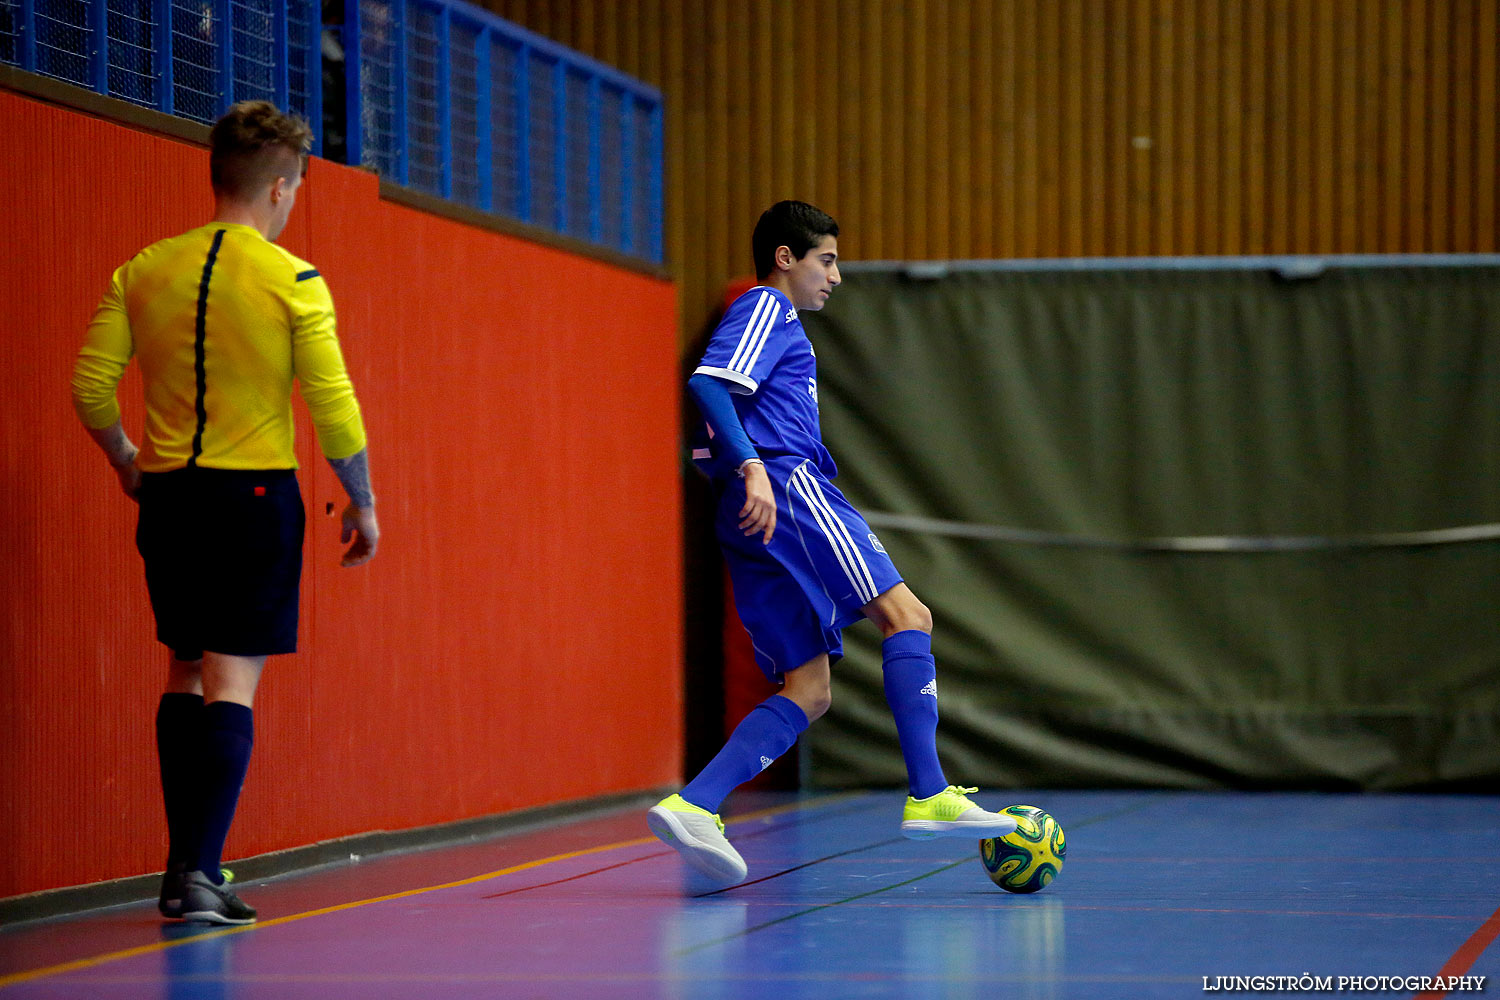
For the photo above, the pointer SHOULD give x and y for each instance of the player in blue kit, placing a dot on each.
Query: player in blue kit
(803, 562)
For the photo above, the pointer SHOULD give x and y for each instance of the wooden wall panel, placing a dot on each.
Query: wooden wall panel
(1016, 128)
(1485, 96)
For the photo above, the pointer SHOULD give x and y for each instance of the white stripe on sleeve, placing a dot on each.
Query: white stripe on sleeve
(766, 305)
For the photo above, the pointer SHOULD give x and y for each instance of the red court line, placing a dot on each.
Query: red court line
(1463, 958)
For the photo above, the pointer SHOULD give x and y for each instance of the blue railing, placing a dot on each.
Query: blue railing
(440, 96)
(450, 100)
(191, 58)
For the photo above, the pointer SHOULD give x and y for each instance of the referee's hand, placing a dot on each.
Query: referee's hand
(129, 475)
(759, 512)
(360, 525)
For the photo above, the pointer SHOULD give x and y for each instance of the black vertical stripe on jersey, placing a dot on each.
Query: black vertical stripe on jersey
(200, 333)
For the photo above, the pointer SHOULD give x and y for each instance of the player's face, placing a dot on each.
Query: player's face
(815, 276)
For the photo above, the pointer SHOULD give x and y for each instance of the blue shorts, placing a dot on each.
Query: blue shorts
(823, 565)
(223, 555)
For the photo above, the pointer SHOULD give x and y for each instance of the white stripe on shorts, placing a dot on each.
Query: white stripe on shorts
(837, 533)
(835, 543)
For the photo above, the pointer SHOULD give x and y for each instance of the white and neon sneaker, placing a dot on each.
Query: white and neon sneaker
(949, 813)
(698, 835)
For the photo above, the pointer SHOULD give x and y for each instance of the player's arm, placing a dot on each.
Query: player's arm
(121, 454)
(107, 349)
(714, 402)
(318, 364)
(358, 521)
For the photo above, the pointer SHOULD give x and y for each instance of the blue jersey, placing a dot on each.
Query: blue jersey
(761, 350)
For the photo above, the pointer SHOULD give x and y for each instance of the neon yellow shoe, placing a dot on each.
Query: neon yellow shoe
(949, 813)
(698, 835)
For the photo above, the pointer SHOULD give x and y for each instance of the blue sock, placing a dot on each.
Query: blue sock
(228, 735)
(911, 691)
(179, 728)
(765, 734)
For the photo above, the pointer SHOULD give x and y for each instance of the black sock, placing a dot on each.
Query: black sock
(179, 727)
(228, 735)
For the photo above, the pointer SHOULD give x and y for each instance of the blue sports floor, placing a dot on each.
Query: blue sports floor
(1160, 892)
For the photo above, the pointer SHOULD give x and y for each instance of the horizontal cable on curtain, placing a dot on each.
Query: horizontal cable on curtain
(1189, 543)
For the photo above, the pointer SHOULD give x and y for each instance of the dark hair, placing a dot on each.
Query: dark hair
(795, 225)
(249, 147)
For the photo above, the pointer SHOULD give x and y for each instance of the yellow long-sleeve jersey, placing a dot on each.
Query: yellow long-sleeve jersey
(222, 321)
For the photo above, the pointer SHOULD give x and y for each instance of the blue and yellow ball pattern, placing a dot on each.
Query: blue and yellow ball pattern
(1029, 858)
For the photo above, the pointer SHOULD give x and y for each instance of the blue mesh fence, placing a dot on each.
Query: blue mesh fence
(132, 54)
(373, 117)
(645, 201)
(195, 83)
(456, 102)
(424, 122)
(253, 30)
(613, 167)
(304, 76)
(441, 96)
(10, 29)
(579, 201)
(61, 44)
(467, 181)
(191, 58)
(506, 163)
(542, 141)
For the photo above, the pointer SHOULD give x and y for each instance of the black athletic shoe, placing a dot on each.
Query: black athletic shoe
(173, 885)
(214, 904)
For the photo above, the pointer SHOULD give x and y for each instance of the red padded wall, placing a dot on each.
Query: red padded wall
(517, 641)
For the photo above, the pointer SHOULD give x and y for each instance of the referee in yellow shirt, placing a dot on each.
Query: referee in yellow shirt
(221, 321)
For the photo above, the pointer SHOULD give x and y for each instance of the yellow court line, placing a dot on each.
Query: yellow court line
(158, 946)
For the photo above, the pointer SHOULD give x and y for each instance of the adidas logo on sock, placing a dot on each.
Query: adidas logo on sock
(929, 688)
(765, 762)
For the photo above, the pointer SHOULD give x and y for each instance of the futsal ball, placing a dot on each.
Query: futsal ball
(1029, 858)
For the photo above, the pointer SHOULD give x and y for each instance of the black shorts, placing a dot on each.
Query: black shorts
(223, 554)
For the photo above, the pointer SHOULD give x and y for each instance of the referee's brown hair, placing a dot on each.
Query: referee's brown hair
(253, 144)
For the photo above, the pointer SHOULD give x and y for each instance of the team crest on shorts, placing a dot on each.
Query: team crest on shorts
(876, 542)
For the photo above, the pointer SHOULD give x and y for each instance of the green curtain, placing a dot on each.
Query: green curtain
(1055, 427)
